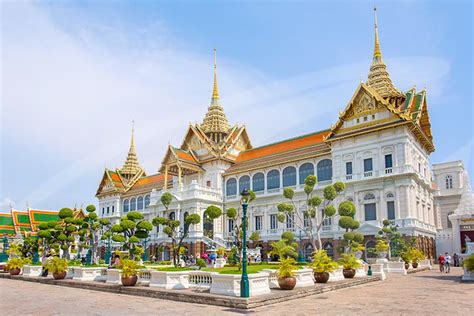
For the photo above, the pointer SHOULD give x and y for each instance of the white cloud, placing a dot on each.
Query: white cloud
(74, 94)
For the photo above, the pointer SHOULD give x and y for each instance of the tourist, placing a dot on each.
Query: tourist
(447, 262)
(441, 263)
(456, 260)
(45, 259)
(83, 260)
(117, 262)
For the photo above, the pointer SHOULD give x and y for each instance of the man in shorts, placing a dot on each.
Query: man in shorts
(447, 262)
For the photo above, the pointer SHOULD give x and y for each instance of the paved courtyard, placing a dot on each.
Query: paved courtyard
(425, 293)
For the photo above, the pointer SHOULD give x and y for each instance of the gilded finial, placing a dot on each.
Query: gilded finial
(215, 91)
(377, 52)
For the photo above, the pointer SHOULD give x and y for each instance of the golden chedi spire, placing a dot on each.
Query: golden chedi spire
(215, 123)
(131, 167)
(378, 78)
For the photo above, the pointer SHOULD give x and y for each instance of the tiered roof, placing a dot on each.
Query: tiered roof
(24, 222)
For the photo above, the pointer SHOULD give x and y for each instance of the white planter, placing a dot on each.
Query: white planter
(468, 276)
(32, 271)
(200, 279)
(70, 272)
(426, 263)
(229, 284)
(170, 280)
(304, 277)
(272, 278)
(87, 274)
(378, 270)
(336, 275)
(396, 267)
(360, 272)
(114, 276)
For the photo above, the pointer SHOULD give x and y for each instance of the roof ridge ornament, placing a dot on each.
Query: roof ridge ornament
(379, 78)
(131, 166)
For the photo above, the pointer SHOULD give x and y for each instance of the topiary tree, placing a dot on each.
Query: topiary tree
(255, 236)
(131, 229)
(89, 232)
(309, 221)
(352, 241)
(285, 247)
(173, 228)
(394, 240)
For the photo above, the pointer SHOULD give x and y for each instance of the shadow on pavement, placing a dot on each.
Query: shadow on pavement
(443, 276)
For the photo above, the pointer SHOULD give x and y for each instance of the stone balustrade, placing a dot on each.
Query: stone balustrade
(229, 284)
(426, 263)
(378, 270)
(336, 275)
(272, 278)
(200, 279)
(396, 267)
(304, 277)
(30, 270)
(169, 280)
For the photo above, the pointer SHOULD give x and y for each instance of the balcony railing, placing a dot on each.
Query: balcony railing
(348, 176)
(388, 170)
(368, 174)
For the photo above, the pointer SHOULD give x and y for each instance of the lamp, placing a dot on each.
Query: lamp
(244, 282)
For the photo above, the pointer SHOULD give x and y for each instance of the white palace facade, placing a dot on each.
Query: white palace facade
(380, 147)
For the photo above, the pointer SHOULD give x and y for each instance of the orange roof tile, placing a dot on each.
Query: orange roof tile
(156, 178)
(284, 146)
(184, 155)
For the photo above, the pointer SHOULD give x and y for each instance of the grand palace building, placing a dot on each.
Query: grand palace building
(380, 147)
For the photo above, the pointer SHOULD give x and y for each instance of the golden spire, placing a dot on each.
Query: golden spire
(215, 122)
(131, 166)
(377, 53)
(215, 90)
(379, 78)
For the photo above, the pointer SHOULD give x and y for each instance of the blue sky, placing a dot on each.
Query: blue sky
(74, 75)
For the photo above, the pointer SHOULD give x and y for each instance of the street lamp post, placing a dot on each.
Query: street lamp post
(300, 252)
(108, 252)
(145, 253)
(244, 282)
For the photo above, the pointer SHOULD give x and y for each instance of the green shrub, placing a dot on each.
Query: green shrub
(56, 264)
(322, 262)
(17, 263)
(286, 267)
(469, 263)
(129, 268)
(201, 263)
(349, 261)
(75, 262)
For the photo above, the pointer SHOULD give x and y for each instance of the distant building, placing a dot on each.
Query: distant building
(380, 147)
(455, 201)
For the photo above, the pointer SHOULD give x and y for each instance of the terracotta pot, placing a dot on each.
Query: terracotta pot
(321, 277)
(287, 283)
(15, 271)
(349, 273)
(129, 281)
(414, 265)
(407, 266)
(59, 275)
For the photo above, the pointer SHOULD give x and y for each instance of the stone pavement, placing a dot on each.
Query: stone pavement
(424, 293)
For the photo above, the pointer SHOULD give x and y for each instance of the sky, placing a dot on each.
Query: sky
(75, 74)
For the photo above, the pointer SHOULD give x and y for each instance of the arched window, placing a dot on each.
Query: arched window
(273, 179)
(126, 206)
(389, 195)
(231, 187)
(258, 182)
(244, 183)
(306, 169)
(289, 176)
(172, 216)
(147, 201)
(325, 170)
(140, 203)
(449, 182)
(369, 196)
(308, 251)
(133, 204)
(450, 225)
(329, 249)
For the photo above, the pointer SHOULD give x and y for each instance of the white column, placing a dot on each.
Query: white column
(456, 235)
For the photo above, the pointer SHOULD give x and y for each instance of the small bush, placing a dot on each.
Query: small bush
(201, 263)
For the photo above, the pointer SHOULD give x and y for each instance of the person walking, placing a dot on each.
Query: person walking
(447, 262)
(441, 262)
(456, 260)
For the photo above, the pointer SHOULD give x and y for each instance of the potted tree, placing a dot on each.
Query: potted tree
(381, 248)
(322, 265)
(349, 263)
(16, 264)
(129, 272)
(286, 279)
(416, 256)
(57, 266)
(406, 257)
